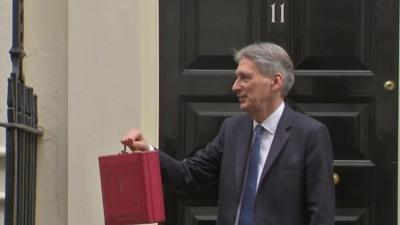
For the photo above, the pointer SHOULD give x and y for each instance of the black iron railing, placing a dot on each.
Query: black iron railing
(21, 147)
(21, 135)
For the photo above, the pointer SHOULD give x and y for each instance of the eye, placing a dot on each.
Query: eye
(245, 77)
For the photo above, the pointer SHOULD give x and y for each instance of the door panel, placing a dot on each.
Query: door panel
(205, 22)
(353, 118)
(334, 35)
(343, 51)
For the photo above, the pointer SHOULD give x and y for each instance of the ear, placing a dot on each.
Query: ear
(277, 82)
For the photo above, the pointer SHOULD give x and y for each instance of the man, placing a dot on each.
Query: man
(274, 165)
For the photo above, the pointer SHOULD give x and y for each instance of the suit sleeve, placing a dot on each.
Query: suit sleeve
(320, 193)
(194, 172)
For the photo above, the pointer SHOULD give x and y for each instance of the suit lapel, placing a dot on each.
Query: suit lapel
(280, 139)
(242, 146)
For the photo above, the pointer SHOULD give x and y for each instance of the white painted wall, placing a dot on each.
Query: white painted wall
(45, 67)
(94, 66)
(112, 86)
(5, 69)
(5, 62)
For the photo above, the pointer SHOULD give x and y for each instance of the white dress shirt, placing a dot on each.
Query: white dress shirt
(270, 124)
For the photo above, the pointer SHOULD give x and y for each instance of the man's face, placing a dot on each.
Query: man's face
(253, 89)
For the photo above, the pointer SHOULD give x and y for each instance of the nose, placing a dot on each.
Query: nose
(236, 86)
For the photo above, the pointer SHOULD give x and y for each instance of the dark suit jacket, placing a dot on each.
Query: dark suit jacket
(296, 185)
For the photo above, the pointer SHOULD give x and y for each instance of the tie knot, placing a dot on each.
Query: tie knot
(259, 129)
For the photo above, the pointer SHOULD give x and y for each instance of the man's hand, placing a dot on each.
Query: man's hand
(135, 141)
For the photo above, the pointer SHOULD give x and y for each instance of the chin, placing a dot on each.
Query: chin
(244, 108)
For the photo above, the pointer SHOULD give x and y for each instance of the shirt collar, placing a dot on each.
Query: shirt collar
(271, 123)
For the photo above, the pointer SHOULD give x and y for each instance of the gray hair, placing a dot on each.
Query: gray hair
(270, 59)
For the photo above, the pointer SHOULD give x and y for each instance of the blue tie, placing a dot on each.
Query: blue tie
(250, 188)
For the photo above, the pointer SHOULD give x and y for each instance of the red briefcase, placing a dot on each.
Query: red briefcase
(131, 187)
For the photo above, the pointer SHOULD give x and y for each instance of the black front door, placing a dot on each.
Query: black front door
(346, 58)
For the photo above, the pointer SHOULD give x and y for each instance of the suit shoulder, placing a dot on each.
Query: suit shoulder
(237, 119)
